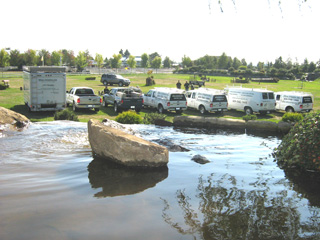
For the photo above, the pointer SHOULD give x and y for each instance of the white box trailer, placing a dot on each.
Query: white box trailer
(44, 88)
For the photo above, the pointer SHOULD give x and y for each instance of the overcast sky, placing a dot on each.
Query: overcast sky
(257, 30)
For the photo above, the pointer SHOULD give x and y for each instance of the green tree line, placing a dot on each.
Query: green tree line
(223, 64)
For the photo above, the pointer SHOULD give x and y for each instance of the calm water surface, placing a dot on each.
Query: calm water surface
(52, 188)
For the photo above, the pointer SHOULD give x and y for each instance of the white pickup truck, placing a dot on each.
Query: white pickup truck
(84, 98)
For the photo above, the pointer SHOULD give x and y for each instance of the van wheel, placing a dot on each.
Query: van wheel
(160, 109)
(105, 83)
(202, 109)
(248, 110)
(289, 109)
(120, 84)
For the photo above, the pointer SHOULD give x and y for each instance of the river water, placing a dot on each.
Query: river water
(52, 188)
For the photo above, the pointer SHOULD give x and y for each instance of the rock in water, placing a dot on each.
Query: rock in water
(200, 159)
(123, 148)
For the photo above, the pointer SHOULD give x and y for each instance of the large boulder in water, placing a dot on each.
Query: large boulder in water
(9, 117)
(121, 147)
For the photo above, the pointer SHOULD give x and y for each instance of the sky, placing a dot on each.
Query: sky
(256, 30)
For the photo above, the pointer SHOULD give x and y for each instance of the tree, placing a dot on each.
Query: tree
(81, 61)
(236, 63)
(30, 57)
(99, 60)
(44, 57)
(16, 59)
(186, 61)
(156, 62)
(121, 52)
(107, 62)
(116, 61)
(312, 67)
(260, 66)
(126, 54)
(56, 58)
(4, 58)
(132, 62)
(145, 60)
(153, 56)
(167, 62)
(223, 61)
(305, 65)
(68, 58)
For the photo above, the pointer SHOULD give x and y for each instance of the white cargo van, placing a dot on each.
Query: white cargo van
(163, 99)
(207, 100)
(251, 100)
(44, 88)
(291, 101)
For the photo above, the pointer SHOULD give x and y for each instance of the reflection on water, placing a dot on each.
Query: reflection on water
(117, 180)
(52, 188)
(232, 213)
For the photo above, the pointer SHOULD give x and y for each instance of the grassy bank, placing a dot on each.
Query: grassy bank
(12, 97)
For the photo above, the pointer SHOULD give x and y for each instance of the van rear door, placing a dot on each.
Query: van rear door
(177, 100)
(220, 101)
(268, 101)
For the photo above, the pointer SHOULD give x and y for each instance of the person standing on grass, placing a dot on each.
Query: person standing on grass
(178, 84)
(186, 86)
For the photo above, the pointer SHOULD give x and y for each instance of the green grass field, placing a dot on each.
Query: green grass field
(12, 97)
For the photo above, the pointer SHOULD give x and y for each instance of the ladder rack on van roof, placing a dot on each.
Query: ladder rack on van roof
(240, 87)
(294, 92)
(169, 89)
(207, 89)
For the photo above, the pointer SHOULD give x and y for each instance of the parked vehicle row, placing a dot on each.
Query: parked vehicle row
(249, 100)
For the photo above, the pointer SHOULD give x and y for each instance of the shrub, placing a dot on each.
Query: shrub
(249, 117)
(292, 117)
(150, 81)
(90, 78)
(65, 114)
(129, 117)
(150, 118)
(300, 148)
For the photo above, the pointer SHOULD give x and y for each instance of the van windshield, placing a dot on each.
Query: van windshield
(269, 95)
(177, 97)
(307, 100)
(219, 98)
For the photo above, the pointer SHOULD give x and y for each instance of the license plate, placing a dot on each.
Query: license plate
(132, 107)
(177, 108)
(219, 109)
(90, 106)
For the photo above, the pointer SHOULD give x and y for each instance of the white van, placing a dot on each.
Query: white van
(207, 100)
(163, 99)
(291, 101)
(251, 100)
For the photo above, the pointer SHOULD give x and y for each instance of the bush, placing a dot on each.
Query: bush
(300, 148)
(150, 118)
(249, 117)
(150, 81)
(129, 117)
(90, 78)
(65, 114)
(292, 117)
